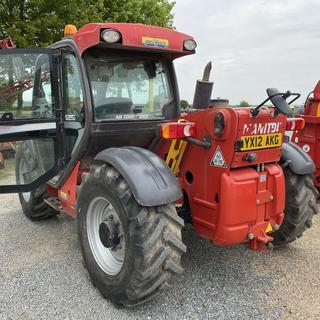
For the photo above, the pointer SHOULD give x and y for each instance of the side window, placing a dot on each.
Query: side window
(25, 86)
(29, 140)
(73, 96)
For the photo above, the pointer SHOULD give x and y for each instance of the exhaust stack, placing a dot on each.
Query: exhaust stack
(203, 90)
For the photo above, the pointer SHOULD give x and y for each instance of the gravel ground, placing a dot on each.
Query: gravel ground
(42, 277)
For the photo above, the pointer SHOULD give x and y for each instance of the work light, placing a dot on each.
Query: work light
(189, 45)
(110, 35)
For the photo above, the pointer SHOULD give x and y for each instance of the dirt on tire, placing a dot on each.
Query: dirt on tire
(301, 206)
(152, 234)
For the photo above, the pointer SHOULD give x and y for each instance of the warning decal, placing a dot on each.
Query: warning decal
(218, 159)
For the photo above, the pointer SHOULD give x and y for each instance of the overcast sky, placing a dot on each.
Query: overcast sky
(254, 44)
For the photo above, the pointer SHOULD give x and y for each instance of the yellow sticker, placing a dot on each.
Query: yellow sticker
(318, 110)
(155, 42)
(269, 228)
(262, 141)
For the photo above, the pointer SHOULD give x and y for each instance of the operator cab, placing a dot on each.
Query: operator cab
(102, 86)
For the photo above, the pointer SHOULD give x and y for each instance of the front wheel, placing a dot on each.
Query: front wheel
(301, 205)
(131, 252)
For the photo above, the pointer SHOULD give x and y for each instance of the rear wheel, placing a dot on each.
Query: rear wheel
(32, 203)
(301, 205)
(131, 252)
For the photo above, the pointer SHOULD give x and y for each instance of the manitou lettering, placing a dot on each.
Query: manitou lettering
(261, 128)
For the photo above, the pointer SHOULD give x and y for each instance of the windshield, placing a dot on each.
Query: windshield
(128, 88)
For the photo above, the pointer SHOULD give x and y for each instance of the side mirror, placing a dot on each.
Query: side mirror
(279, 101)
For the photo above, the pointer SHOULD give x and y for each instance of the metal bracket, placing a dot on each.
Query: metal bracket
(205, 143)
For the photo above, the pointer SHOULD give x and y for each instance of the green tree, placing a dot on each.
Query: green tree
(39, 23)
(152, 12)
(184, 104)
(244, 104)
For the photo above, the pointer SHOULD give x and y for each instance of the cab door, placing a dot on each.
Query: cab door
(31, 121)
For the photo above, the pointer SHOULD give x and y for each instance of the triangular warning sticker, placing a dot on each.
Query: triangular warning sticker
(269, 228)
(218, 159)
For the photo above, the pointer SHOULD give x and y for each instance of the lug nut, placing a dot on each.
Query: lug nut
(276, 227)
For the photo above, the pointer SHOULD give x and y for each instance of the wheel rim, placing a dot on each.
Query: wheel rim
(110, 260)
(23, 170)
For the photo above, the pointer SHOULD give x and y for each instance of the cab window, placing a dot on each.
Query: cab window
(73, 96)
(126, 87)
(25, 86)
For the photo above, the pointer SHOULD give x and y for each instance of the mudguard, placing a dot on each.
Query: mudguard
(299, 161)
(150, 179)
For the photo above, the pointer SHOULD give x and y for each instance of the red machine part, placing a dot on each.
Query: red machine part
(134, 36)
(231, 201)
(309, 137)
(67, 194)
(7, 43)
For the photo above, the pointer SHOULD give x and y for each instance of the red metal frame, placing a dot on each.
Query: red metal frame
(228, 203)
(132, 37)
(67, 194)
(7, 43)
(309, 137)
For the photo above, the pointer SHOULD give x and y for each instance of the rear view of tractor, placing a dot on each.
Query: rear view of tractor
(241, 181)
(99, 136)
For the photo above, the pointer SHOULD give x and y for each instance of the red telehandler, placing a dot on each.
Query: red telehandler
(101, 138)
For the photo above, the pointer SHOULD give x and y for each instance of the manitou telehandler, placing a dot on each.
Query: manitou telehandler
(96, 123)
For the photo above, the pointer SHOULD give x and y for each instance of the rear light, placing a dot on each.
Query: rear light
(176, 130)
(189, 45)
(110, 35)
(293, 124)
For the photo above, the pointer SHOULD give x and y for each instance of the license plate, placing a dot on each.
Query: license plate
(262, 141)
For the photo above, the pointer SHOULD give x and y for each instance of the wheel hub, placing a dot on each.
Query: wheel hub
(109, 233)
(106, 235)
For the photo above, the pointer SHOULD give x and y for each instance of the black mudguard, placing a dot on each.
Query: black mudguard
(298, 161)
(150, 179)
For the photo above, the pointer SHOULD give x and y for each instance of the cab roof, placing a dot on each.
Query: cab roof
(134, 36)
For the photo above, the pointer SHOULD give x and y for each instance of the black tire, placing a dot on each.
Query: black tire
(35, 207)
(301, 205)
(153, 245)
